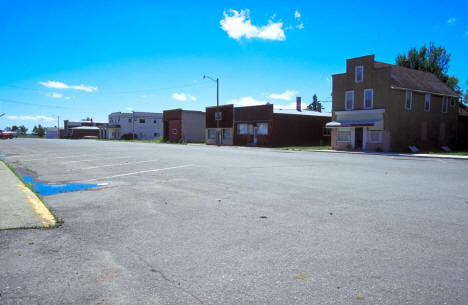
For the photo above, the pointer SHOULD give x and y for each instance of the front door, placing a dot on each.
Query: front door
(358, 138)
(255, 131)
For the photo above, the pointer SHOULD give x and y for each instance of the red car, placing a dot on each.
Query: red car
(7, 134)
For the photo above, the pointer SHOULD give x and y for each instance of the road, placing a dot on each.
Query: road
(183, 224)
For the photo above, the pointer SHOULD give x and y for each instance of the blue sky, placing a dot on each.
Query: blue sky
(76, 59)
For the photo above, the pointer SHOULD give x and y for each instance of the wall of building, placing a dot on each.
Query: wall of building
(289, 129)
(193, 126)
(425, 130)
(146, 125)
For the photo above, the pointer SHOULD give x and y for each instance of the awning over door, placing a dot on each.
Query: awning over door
(354, 123)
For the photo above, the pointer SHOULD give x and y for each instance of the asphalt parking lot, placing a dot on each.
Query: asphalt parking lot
(183, 224)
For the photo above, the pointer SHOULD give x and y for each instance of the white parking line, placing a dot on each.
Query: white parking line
(107, 165)
(65, 157)
(77, 161)
(137, 173)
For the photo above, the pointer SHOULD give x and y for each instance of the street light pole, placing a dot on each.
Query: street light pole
(217, 107)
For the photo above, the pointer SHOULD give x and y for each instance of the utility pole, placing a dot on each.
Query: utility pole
(217, 115)
(58, 127)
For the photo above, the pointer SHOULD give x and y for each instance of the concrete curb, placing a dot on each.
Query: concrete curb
(428, 156)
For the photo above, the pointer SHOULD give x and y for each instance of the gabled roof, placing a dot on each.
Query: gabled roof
(407, 78)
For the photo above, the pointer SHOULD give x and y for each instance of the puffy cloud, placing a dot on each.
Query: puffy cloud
(238, 25)
(297, 15)
(60, 85)
(246, 101)
(300, 26)
(183, 97)
(56, 95)
(286, 95)
(30, 118)
(129, 109)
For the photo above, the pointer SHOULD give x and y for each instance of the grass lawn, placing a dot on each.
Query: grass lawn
(325, 147)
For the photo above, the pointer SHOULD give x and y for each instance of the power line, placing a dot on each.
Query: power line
(30, 104)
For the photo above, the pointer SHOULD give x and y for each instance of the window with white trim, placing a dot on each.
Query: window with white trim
(445, 104)
(343, 135)
(174, 131)
(227, 134)
(359, 74)
(262, 129)
(243, 129)
(349, 100)
(374, 136)
(212, 134)
(427, 103)
(409, 100)
(368, 98)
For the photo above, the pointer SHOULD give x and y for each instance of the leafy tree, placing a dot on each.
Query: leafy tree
(22, 129)
(87, 119)
(315, 105)
(14, 128)
(7, 128)
(40, 131)
(433, 59)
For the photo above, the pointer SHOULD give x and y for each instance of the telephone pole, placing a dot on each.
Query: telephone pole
(217, 115)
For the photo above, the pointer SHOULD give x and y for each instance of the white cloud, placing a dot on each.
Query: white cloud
(246, 101)
(290, 106)
(328, 79)
(183, 97)
(238, 25)
(144, 96)
(30, 118)
(300, 26)
(179, 96)
(56, 95)
(129, 109)
(452, 20)
(297, 15)
(286, 95)
(60, 85)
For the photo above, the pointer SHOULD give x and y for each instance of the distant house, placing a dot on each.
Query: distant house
(53, 132)
(379, 106)
(70, 127)
(184, 125)
(145, 126)
(265, 125)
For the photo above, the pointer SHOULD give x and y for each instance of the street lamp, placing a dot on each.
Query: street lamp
(217, 116)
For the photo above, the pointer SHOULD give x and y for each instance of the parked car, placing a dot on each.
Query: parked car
(7, 134)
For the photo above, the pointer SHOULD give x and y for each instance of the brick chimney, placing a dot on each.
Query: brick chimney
(298, 103)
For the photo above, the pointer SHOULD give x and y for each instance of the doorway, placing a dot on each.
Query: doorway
(358, 138)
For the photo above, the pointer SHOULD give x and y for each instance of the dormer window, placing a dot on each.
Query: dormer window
(358, 74)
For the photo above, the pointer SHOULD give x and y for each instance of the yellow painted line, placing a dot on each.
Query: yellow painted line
(47, 219)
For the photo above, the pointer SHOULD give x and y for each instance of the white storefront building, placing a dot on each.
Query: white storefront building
(145, 126)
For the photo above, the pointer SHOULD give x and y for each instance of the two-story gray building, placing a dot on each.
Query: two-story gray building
(144, 125)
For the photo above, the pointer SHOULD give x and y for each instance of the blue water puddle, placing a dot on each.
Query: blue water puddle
(45, 189)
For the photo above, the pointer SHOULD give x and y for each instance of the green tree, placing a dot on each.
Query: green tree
(22, 130)
(14, 128)
(7, 128)
(87, 119)
(315, 105)
(40, 131)
(433, 59)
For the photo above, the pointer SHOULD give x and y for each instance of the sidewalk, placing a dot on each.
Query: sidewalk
(19, 206)
(454, 157)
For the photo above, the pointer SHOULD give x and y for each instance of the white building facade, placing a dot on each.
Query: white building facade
(145, 126)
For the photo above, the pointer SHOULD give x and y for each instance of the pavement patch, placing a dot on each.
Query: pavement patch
(45, 189)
